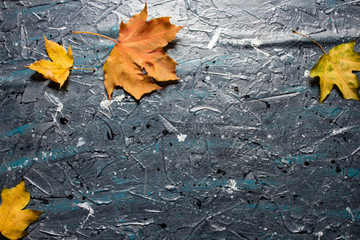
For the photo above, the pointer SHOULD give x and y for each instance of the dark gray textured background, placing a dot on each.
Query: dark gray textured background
(240, 148)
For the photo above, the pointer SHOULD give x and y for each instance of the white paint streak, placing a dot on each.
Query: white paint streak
(24, 49)
(228, 76)
(152, 211)
(214, 38)
(200, 108)
(181, 137)
(319, 235)
(55, 101)
(286, 95)
(60, 28)
(88, 207)
(143, 223)
(167, 124)
(356, 150)
(37, 185)
(96, 5)
(340, 130)
(351, 213)
(38, 17)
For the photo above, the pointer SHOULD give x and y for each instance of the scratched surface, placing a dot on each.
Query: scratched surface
(239, 148)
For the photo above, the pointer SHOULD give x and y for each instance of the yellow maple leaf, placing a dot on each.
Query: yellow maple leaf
(139, 49)
(336, 68)
(13, 219)
(59, 69)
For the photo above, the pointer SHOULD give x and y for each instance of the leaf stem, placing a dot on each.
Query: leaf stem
(100, 35)
(294, 31)
(75, 68)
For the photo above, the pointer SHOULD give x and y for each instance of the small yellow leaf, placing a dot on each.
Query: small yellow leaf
(59, 69)
(336, 68)
(13, 219)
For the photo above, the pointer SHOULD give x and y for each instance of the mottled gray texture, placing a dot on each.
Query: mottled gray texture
(240, 148)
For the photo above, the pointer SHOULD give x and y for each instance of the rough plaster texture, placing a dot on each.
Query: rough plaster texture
(240, 148)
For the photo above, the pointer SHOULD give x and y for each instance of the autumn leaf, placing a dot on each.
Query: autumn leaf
(59, 69)
(138, 58)
(13, 219)
(336, 68)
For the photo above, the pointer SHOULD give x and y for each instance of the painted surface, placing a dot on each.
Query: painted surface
(240, 148)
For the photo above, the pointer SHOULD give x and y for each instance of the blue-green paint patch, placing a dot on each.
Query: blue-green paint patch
(215, 183)
(17, 75)
(301, 159)
(48, 156)
(19, 130)
(353, 172)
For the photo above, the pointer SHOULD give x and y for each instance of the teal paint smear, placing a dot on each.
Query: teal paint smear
(20, 130)
(300, 159)
(353, 172)
(52, 155)
(17, 75)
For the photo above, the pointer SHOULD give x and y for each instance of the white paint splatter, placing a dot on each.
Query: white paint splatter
(214, 38)
(255, 43)
(88, 207)
(105, 103)
(181, 137)
(80, 142)
(307, 73)
(231, 186)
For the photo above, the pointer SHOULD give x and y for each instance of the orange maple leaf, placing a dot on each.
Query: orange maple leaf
(13, 219)
(139, 49)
